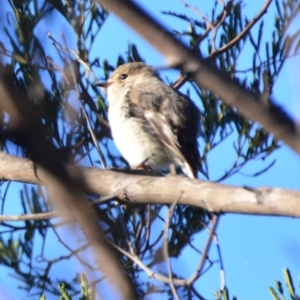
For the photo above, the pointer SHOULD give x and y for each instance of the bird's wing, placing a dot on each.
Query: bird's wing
(154, 111)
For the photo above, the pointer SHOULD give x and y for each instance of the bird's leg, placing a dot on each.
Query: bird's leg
(143, 165)
(172, 170)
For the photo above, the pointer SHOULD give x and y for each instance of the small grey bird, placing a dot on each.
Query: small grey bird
(152, 124)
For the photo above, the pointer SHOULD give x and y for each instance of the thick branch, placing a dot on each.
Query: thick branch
(165, 190)
(230, 91)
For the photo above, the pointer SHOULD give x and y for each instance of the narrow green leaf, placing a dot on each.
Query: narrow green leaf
(43, 297)
(274, 294)
(261, 26)
(289, 282)
(278, 9)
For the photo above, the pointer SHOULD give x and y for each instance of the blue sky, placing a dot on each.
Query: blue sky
(254, 249)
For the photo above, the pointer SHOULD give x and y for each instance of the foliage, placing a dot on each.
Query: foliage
(223, 295)
(86, 292)
(50, 79)
(290, 288)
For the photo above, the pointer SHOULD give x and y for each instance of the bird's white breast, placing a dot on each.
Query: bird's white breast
(133, 142)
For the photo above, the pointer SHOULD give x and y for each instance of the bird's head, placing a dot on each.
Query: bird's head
(126, 75)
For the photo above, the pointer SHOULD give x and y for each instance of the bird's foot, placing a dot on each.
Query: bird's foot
(143, 165)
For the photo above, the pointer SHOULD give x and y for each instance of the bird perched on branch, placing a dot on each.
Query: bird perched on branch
(152, 124)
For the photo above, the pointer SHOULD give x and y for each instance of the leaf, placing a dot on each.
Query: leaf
(261, 26)
(274, 294)
(289, 282)
(64, 293)
(43, 297)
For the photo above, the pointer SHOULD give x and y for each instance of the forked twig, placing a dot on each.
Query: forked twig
(219, 20)
(243, 33)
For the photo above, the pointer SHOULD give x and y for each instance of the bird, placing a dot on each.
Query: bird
(152, 124)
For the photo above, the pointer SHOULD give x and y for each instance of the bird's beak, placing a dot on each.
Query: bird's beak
(102, 84)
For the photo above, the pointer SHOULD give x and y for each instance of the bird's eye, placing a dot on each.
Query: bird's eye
(123, 76)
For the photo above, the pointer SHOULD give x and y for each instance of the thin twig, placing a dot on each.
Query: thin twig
(73, 252)
(183, 78)
(72, 51)
(101, 155)
(196, 274)
(148, 271)
(50, 214)
(165, 248)
(29, 217)
(222, 270)
(264, 97)
(243, 33)
(217, 23)
(197, 294)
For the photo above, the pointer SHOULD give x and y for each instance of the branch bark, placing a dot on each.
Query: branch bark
(134, 188)
(230, 91)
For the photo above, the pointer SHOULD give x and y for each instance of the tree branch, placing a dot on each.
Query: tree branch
(163, 190)
(244, 32)
(212, 230)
